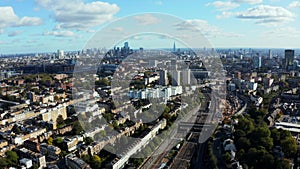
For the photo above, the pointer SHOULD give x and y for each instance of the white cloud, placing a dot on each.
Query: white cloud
(147, 19)
(64, 33)
(249, 1)
(29, 21)
(294, 4)
(14, 33)
(225, 14)
(284, 32)
(8, 18)
(268, 15)
(205, 28)
(223, 5)
(79, 15)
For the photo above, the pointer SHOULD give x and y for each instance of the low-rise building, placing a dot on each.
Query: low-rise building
(32, 144)
(3, 143)
(74, 162)
(26, 162)
(70, 144)
(50, 150)
(37, 158)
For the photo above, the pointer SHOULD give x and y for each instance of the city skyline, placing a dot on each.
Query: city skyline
(44, 26)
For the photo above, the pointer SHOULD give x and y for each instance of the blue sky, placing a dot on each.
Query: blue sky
(48, 25)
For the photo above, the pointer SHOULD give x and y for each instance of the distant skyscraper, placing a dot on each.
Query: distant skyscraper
(60, 54)
(270, 54)
(174, 47)
(257, 62)
(126, 46)
(289, 56)
(163, 77)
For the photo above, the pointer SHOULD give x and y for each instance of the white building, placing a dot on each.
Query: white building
(60, 54)
(159, 92)
(26, 162)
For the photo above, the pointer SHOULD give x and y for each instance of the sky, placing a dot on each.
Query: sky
(29, 26)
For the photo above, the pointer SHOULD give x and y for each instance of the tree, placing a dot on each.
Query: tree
(3, 163)
(266, 142)
(240, 154)
(16, 129)
(50, 140)
(261, 137)
(60, 120)
(88, 140)
(266, 161)
(115, 124)
(245, 125)
(289, 146)
(108, 116)
(35, 166)
(284, 134)
(244, 143)
(251, 157)
(12, 158)
(283, 164)
(86, 158)
(72, 111)
(260, 132)
(137, 162)
(226, 157)
(96, 158)
(58, 141)
(275, 134)
(239, 133)
(77, 128)
(96, 162)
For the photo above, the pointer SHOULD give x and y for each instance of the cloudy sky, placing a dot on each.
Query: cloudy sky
(48, 25)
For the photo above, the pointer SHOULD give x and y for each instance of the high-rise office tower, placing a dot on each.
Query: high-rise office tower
(257, 62)
(126, 45)
(289, 56)
(60, 54)
(270, 54)
(174, 47)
